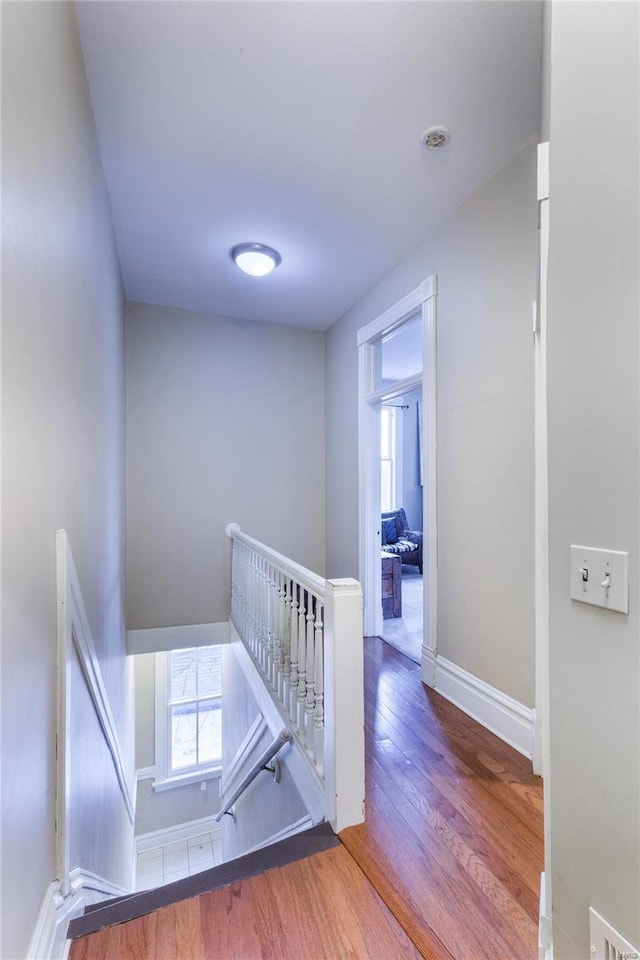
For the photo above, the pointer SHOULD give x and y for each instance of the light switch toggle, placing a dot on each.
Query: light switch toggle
(600, 577)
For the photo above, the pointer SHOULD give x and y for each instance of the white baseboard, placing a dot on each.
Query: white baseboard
(428, 667)
(49, 940)
(145, 773)
(545, 929)
(507, 718)
(158, 639)
(182, 831)
(303, 824)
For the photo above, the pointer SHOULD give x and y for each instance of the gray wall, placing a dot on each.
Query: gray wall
(594, 430)
(485, 258)
(157, 811)
(225, 422)
(62, 447)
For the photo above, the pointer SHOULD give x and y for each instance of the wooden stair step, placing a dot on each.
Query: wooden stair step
(321, 907)
(122, 909)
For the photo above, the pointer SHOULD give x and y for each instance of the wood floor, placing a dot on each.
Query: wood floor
(453, 838)
(321, 908)
(452, 843)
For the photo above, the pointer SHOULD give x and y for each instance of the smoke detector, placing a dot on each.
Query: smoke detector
(435, 137)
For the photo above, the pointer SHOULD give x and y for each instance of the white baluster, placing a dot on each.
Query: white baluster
(310, 697)
(302, 659)
(286, 644)
(318, 721)
(277, 630)
(254, 600)
(266, 638)
(296, 591)
(255, 608)
(275, 627)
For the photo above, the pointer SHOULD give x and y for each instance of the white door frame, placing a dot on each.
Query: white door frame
(420, 302)
(542, 749)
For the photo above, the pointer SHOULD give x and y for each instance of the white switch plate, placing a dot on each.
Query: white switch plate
(601, 565)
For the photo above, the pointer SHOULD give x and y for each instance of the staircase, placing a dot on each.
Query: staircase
(302, 898)
(123, 909)
(295, 653)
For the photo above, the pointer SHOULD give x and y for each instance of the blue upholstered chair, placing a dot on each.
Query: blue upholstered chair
(397, 538)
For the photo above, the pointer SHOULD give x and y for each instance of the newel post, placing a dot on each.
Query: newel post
(344, 703)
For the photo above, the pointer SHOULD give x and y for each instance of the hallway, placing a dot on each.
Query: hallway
(453, 838)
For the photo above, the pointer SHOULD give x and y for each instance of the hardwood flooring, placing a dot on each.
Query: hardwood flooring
(453, 838)
(321, 908)
(450, 855)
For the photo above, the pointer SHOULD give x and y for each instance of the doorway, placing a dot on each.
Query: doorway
(401, 482)
(397, 358)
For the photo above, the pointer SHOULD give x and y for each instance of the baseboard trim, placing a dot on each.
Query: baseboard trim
(44, 944)
(181, 831)
(304, 823)
(49, 940)
(545, 928)
(145, 773)
(159, 639)
(496, 711)
(428, 671)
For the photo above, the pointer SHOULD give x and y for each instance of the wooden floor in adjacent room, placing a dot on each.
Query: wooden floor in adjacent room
(453, 838)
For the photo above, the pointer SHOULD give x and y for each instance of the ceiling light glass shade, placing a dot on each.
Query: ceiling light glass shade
(255, 258)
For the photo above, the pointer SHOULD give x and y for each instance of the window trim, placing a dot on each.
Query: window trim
(164, 778)
(396, 430)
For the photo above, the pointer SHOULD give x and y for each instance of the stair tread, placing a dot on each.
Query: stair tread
(121, 909)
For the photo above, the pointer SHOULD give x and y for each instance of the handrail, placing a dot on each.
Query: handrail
(307, 578)
(283, 737)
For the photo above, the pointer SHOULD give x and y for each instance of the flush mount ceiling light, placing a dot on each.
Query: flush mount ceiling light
(435, 137)
(255, 258)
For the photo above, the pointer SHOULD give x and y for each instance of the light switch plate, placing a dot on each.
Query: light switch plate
(602, 567)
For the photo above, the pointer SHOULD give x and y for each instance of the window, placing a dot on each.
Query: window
(389, 458)
(188, 715)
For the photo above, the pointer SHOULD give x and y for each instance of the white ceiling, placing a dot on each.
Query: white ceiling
(298, 124)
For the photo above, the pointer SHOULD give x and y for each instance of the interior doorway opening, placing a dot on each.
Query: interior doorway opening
(397, 373)
(401, 481)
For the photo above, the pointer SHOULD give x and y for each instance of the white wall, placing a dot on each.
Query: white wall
(62, 445)
(225, 422)
(159, 810)
(594, 430)
(485, 258)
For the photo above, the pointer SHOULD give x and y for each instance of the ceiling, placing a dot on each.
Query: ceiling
(298, 124)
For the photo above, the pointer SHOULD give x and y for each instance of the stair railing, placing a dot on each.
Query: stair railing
(304, 635)
(261, 764)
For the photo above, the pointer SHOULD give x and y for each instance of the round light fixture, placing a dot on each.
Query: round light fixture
(256, 259)
(435, 137)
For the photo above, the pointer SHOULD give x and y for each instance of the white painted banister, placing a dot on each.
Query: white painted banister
(304, 634)
(344, 703)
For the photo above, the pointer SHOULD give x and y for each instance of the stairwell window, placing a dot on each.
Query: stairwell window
(188, 715)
